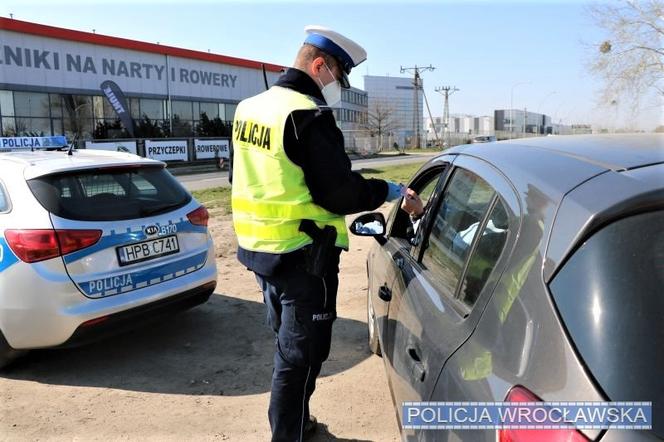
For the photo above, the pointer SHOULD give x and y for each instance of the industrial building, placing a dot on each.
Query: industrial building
(394, 102)
(50, 83)
(522, 121)
(351, 116)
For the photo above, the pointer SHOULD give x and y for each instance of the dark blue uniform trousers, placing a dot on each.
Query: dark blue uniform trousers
(300, 309)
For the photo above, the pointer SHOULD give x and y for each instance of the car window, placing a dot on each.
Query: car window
(426, 191)
(97, 184)
(426, 194)
(609, 295)
(454, 227)
(483, 259)
(4, 199)
(143, 186)
(107, 195)
(425, 185)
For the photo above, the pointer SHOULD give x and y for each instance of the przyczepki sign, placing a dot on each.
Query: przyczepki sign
(175, 150)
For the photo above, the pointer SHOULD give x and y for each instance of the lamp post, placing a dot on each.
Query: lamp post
(557, 114)
(512, 104)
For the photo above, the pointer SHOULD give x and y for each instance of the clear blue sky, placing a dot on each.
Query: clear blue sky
(483, 48)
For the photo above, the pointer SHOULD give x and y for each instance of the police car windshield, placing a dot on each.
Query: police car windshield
(109, 194)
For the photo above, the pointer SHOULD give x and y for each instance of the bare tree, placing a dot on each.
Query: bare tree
(631, 60)
(381, 121)
(77, 115)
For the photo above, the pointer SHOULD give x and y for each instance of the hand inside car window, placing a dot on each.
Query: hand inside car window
(414, 205)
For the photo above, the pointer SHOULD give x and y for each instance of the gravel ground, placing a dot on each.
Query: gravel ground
(200, 375)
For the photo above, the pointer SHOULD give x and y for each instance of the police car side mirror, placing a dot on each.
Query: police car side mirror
(370, 224)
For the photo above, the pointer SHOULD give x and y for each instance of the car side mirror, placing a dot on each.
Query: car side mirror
(370, 224)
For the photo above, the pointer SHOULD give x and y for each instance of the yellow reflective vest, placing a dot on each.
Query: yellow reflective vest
(269, 194)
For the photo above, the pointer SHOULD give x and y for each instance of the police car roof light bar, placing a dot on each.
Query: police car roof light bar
(17, 144)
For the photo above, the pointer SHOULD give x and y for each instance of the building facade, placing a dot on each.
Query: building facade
(50, 84)
(521, 121)
(582, 129)
(483, 125)
(393, 101)
(351, 115)
(460, 127)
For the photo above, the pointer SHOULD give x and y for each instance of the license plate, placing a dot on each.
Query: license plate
(143, 251)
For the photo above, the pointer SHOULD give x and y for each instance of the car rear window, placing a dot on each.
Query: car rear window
(610, 297)
(109, 194)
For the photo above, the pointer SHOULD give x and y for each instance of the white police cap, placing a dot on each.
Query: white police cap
(348, 53)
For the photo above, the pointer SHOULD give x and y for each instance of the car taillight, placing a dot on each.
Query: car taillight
(42, 244)
(33, 245)
(199, 217)
(521, 394)
(73, 240)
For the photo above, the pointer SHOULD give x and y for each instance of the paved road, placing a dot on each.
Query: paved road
(220, 179)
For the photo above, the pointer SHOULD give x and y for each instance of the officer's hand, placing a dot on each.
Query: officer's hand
(412, 203)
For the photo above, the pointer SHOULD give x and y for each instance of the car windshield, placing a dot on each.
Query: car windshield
(109, 194)
(609, 294)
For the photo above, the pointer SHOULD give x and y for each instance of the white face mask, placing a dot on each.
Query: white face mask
(331, 91)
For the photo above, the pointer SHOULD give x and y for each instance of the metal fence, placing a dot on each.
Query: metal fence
(507, 135)
(362, 143)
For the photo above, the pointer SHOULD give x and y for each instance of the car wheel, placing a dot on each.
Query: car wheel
(7, 353)
(374, 344)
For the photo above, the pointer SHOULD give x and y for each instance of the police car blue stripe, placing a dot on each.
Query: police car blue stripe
(126, 282)
(116, 238)
(7, 257)
(112, 240)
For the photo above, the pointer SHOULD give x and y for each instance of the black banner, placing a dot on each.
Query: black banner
(118, 102)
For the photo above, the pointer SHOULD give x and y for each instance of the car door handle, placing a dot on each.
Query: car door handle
(399, 260)
(417, 367)
(385, 293)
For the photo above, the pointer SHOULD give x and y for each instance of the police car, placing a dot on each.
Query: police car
(92, 242)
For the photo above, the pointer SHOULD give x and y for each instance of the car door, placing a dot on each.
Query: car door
(440, 280)
(384, 268)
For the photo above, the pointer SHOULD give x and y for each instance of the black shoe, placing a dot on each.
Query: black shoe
(310, 427)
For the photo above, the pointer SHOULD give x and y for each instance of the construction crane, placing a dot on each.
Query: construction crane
(446, 91)
(417, 120)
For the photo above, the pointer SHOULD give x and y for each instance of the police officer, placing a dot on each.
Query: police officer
(290, 165)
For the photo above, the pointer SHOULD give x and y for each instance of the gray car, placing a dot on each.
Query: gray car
(536, 273)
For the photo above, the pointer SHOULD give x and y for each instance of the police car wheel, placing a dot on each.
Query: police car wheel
(7, 354)
(374, 344)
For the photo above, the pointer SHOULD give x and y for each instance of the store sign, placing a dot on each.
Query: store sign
(206, 149)
(114, 146)
(7, 143)
(43, 62)
(166, 150)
